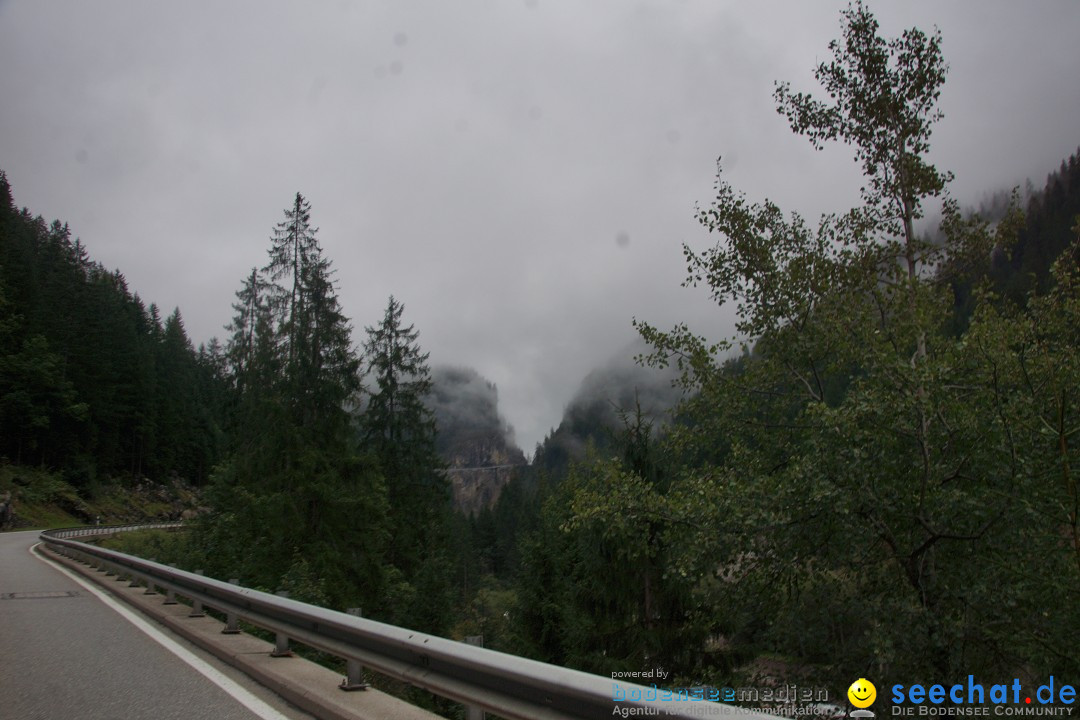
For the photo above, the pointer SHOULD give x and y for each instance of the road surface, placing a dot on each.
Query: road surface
(66, 653)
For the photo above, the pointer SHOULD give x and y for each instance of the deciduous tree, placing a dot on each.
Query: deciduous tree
(873, 466)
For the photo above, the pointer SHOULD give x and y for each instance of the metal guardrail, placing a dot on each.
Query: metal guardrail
(507, 685)
(88, 530)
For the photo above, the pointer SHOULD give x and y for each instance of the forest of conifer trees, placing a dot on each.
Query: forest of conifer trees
(95, 382)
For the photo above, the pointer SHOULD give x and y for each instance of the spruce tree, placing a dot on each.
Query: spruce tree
(293, 250)
(397, 423)
(399, 429)
(297, 494)
(250, 327)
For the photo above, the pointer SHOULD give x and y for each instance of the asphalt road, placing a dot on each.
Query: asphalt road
(64, 653)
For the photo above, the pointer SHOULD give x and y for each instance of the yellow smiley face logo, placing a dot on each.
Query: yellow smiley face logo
(862, 693)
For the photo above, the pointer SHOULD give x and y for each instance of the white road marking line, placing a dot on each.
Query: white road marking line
(241, 695)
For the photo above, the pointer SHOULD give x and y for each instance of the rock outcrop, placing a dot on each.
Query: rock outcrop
(474, 441)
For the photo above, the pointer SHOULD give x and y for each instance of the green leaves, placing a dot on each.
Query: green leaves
(865, 442)
(34, 394)
(883, 97)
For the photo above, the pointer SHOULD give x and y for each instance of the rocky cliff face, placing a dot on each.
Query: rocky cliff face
(478, 486)
(473, 440)
(607, 399)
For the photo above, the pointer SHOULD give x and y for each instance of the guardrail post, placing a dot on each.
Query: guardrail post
(196, 605)
(471, 711)
(170, 594)
(281, 640)
(354, 677)
(232, 627)
(149, 581)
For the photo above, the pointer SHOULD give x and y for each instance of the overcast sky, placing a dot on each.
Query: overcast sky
(520, 173)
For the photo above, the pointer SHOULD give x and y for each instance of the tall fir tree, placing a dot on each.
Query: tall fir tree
(297, 502)
(293, 251)
(399, 429)
(397, 423)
